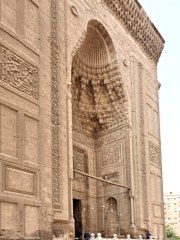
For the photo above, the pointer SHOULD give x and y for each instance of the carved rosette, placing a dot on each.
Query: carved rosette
(55, 105)
(17, 73)
(143, 151)
(154, 154)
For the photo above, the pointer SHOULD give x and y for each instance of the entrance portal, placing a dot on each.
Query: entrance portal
(77, 218)
(100, 120)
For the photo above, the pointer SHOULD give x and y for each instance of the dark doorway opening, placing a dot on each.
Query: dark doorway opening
(77, 218)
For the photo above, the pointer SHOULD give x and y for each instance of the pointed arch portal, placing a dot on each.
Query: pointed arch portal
(99, 99)
(99, 108)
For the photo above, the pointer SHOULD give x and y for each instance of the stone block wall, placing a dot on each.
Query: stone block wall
(38, 41)
(25, 129)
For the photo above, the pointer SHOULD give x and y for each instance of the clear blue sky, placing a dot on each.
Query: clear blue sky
(165, 14)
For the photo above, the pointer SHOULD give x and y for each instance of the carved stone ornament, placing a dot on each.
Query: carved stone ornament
(82, 138)
(78, 44)
(154, 153)
(125, 62)
(111, 155)
(18, 73)
(55, 105)
(99, 100)
(135, 20)
(112, 136)
(143, 151)
(74, 10)
(58, 232)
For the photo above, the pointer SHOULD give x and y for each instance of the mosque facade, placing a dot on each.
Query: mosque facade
(80, 145)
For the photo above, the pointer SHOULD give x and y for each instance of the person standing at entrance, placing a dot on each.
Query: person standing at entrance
(86, 235)
(148, 235)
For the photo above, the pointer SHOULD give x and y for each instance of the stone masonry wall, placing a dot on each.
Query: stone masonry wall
(25, 112)
(38, 40)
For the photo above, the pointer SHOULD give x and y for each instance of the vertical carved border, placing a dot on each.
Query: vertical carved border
(55, 106)
(142, 136)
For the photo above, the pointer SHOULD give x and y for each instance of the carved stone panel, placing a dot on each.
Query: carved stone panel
(17, 73)
(110, 155)
(19, 180)
(154, 154)
(111, 136)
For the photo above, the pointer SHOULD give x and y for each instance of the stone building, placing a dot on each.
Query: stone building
(172, 211)
(79, 119)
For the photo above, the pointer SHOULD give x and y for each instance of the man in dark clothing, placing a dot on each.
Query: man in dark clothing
(86, 235)
(148, 234)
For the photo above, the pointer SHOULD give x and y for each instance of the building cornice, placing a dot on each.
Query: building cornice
(131, 14)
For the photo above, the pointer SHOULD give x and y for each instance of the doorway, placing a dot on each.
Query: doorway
(77, 218)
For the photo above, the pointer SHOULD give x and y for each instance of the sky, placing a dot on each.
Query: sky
(165, 14)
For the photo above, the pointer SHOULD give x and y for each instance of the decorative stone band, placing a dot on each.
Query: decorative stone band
(133, 17)
(112, 136)
(17, 73)
(55, 106)
(142, 139)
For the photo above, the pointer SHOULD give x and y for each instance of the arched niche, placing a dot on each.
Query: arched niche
(99, 101)
(111, 217)
(99, 106)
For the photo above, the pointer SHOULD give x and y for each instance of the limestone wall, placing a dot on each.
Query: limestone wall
(25, 113)
(38, 40)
